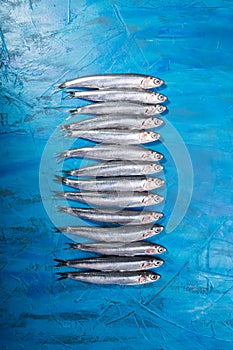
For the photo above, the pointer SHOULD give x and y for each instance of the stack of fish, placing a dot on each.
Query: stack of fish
(123, 111)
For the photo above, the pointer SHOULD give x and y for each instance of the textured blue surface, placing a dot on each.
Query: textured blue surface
(189, 44)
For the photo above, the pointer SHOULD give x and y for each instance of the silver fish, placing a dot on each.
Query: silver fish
(108, 81)
(119, 217)
(126, 234)
(113, 199)
(116, 168)
(110, 136)
(117, 277)
(112, 152)
(120, 183)
(117, 122)
(119, 108)
(120, 249)
(141, 96)
(113, 263)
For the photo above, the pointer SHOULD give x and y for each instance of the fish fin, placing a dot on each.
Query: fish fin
(65, 127)
(61, 156)
(74, 111)
(67, 172)
(71, 94)
(62, 86)
(62, 275)
(62, 209)
(59, 194)
(73, 246)
(60, 262)
(59, 179)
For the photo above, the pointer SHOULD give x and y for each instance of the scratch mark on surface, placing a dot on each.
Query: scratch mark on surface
(167, 284)
(67, 71)
(5, 50)
(141, 326)
(68, 11)
(118, 15)
(119, 318)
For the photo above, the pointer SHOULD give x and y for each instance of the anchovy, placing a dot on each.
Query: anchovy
(112, 152)
(141, 96)
(113, 263)
(120, 249)
(118, 108)
(117, 122)
(110, 136)
(116, 168)
(126, 234)
(118, 183)
(108, 81)
(124, 278)
(119, 217)
(113, 199)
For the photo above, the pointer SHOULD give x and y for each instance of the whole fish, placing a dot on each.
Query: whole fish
(118, 183)
(113, 263)
(116, 168)
(117, 122)
(110, 136)
(115, 277)
(119, 108)
(113, 199)
(126, 234)
(108, 81)
(120, 249)
(119, 217)
(112, 152)
(141, 96)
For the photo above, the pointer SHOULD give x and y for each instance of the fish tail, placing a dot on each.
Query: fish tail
(71, 94)
(60, 179)
(74, 111)
(60, 229)
(73, 245)
(62, 86)
(61, 156)
(59, 194)
(67, 172)
(65, 127)
(62, 209)
(62, 275)
(60, 262)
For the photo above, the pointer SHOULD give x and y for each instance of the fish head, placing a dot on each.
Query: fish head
(151, 82)
(156, 262)
(151, 182)
(157, 216)
(156, 229)
(148, 136)
(152, 277)
(160, 109)
(160, 249)
(151, 110)
(157, 168)
(156, 122)
(162, 98)
(157, 82)
(151, 199)
(156, 155)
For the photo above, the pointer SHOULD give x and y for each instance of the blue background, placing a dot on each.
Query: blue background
(189, 44)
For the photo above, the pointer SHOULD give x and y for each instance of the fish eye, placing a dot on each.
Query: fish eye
(153, 277)
(157, 81)
(161, 97)
(157, 262)
(161, 249)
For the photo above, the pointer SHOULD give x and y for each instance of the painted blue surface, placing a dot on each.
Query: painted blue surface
(188, 44)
